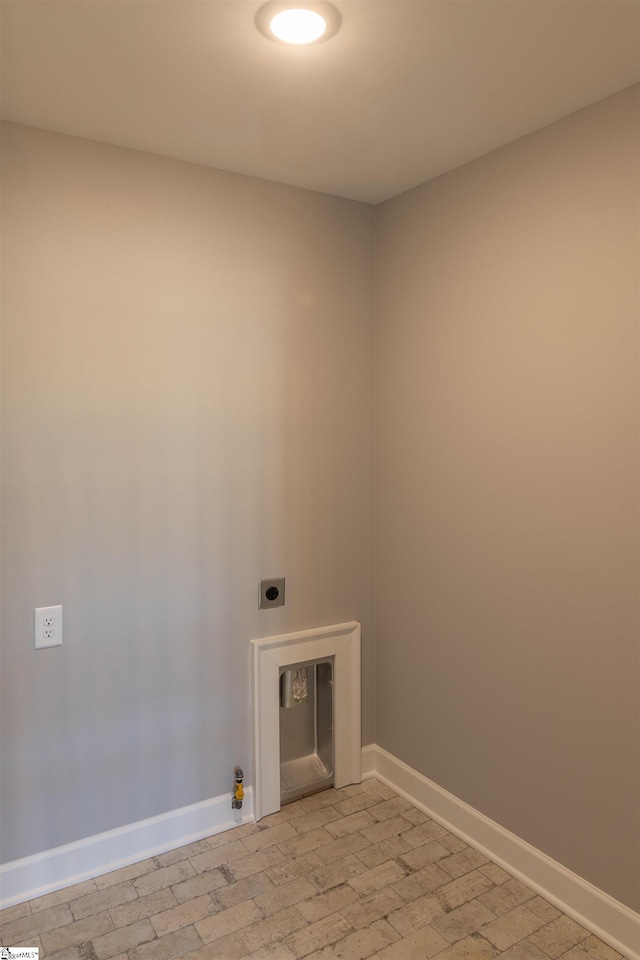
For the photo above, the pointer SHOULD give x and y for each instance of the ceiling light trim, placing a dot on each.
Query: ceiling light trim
(329, 13)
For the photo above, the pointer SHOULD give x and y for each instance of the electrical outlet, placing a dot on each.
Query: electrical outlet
(48, 627)
(271, 593)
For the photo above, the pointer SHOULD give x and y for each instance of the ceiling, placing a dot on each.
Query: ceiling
(406, 90)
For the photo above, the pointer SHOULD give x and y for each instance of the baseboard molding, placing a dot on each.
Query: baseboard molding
(369, 761)
(60, 867)
(608, 919)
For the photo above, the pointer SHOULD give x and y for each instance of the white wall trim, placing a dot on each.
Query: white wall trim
(369, 754)
(62, 866)
(608, 919)
(340, 641)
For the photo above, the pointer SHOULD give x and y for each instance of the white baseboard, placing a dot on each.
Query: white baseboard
(60, 867)
(608, 919)
(369, 760)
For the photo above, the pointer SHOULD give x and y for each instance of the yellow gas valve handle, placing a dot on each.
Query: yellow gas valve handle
(238, 795)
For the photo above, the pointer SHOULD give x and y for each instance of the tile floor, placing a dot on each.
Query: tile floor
(350, 874)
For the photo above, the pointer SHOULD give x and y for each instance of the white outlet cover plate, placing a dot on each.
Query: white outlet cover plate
(48, 627)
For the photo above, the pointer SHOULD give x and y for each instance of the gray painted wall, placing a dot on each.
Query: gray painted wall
(507, 488)
(187, 407)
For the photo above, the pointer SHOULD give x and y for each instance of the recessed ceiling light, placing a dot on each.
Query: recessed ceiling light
(298, 26)
(297, 22)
